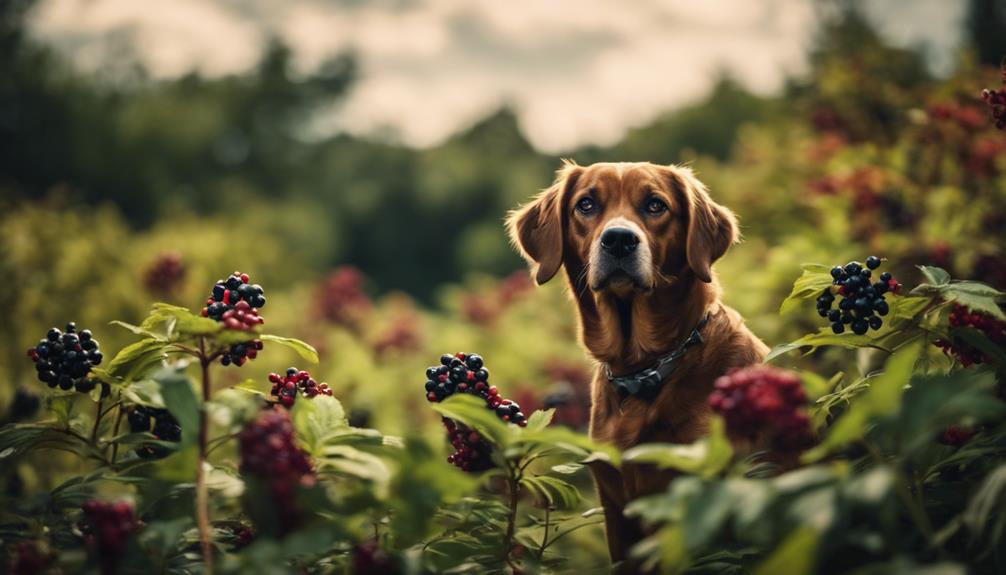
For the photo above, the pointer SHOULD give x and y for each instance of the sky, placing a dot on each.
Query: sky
(575, 72)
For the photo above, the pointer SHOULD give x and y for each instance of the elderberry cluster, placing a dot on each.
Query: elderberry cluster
(106, 527)
(861, 302)
(763, 403)
(235, 302)
(65, 359)
(962, 317)
(996, 100)
(161, 423)
(286, 387)
(466, 373)
(269, 451)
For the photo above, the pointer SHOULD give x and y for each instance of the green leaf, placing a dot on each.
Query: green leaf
(935, 277)
(815, 279)
(706, 457)
(795, 556)
(17, 439)
(316, 420)
(134, 360)
(976, 296)
(473, 412)
(260, 387)
(882, 398)
(551, 491)
(540, 419)
(983, 514)
(179, 320)
(181, 400)
(138, 330)
(305, 350)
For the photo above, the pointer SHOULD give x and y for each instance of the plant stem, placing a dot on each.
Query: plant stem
(513, 484)
(202, 495)
(97, 420)
(115, 433)
(544, 539)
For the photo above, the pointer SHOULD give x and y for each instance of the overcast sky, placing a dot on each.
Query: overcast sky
(575, 72)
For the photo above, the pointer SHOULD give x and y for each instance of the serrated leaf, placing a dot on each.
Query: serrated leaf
(975, 296)
(935, 276)
(304, 349)
(815, 279)
(316, 419)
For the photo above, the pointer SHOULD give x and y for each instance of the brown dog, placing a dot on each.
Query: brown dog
(637, 242)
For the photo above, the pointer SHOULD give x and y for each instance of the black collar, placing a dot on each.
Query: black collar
(646, 383)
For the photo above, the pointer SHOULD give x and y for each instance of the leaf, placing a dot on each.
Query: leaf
(881, 399)
(986, 505)
(540, 419)
(706, 457)
(138, 330)
(259, 387)
(316, 420)
(352, 462)
(978, 339)
(179, 320)
(935, 277)
(473, 412)
(17, 439)
(180, 399)
(551, 491)
(305, 350)
(135, 359)
(815, 279)
(795, 556)
(975, 295)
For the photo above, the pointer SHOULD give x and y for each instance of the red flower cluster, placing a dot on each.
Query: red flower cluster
(269, 451)
(996, 100)
(962, 317)
(106, 528)
(285, 387)
(340, 298)
(764, 403)
(165, 274)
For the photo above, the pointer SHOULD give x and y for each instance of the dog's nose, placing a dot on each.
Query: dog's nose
(619, 242)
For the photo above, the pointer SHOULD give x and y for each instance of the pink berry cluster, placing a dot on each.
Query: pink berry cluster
(764, 403)
(340, 298)
(28, 558)
(269, 451)
(286, 387)
(962, 317)
(996, 100)
(106, 527)
(235, 302)
(466, 373)
(165, 274)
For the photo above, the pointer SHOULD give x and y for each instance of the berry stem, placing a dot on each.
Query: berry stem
(115, 432)
(202, 495)
(544, 538)
(98, 414)
(513, 486)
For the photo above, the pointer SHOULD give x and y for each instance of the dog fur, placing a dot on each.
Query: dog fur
(632, 316)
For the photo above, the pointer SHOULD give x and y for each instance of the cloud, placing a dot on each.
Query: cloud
(574, 72)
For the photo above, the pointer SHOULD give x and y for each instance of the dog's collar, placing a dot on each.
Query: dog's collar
(646, 383)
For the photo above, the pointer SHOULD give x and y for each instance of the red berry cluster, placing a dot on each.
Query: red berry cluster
(370, 559)
(466, 373)
(66, 359)
(340, 298)
(996, 100)
(270, 452)
(235, 302)
(106, 528)
(28, 558)
(956, 435)
(165, 274)
(285, 387)
(763, 402)
(962, 317)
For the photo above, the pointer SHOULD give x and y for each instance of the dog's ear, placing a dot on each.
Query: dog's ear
(536, 228)
(711, 227)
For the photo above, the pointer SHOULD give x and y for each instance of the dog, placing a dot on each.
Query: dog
(637, 242)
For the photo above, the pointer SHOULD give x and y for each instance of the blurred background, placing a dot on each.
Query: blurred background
(357, 159)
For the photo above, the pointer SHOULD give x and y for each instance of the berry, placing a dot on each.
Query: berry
(270, 453)
(24, 405)
(161, 423)
(466, 373)
(956, 435)
(106, 527)
(369, 559)
(764, 403)
(165, 274)
(858, 299)
(996, 101)
(872, 262)
(29, 558)
(235, 302)
(962, 318)
(285, 388)
(65, 359)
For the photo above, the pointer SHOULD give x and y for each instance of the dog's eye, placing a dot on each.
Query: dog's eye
(586, 205)
(655, 206)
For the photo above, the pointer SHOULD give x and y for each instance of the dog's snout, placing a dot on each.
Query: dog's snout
(619, 242)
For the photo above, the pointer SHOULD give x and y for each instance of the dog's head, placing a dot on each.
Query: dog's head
(625, 227)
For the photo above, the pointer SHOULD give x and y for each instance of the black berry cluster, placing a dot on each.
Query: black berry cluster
(996, 100)
(962, 317)
(861, 300)
(160, 422)
(106, 527)
(269, 451)
(466, 373)
(286, 387)
(65, 359)
(24, 405)
(764, 403)
(235, 302)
